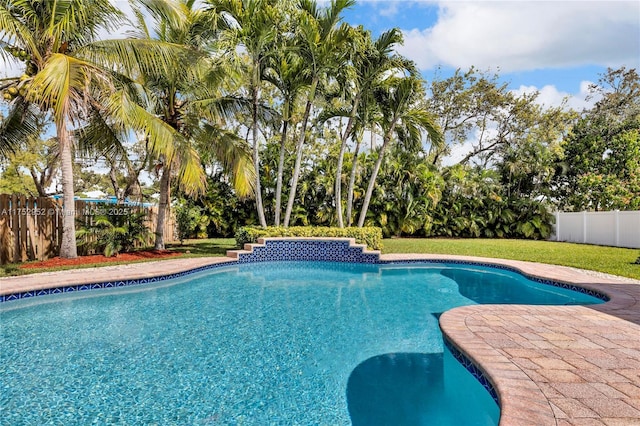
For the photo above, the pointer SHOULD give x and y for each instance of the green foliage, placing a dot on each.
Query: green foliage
(113, 233)
(190, 221)
(370, 236)
(601, 165)
(474, 204)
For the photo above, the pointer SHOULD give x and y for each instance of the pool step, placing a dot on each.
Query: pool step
(305, 248)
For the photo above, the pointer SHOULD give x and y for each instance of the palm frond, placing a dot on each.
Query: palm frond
(13, 32)
(20, 124)
(62, 85)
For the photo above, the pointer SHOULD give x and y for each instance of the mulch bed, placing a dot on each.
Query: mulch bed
(101, 259)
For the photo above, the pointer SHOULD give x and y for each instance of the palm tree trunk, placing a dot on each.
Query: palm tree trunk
(68, 248)
(343, 148)
(372, 180)
(283, 142)
(296, 169)
(163, 204)
(352, 181)
(256, 159)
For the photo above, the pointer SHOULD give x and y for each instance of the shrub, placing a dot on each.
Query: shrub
(114, 233)
(190, 222)
(371, 236)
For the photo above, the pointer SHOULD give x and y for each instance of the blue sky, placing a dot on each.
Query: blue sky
(556, 47)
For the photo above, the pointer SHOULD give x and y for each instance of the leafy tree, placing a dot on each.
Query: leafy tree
(601, 165)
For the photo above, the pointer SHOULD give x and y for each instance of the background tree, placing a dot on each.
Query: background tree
(601, 165)
(252, 25)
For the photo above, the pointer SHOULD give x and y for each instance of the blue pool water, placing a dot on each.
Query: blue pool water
(306, 343)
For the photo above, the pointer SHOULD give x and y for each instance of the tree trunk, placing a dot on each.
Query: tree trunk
(296, 169)
(352, 181)
(343, 148)
(256, 159)
(163, 204)
(68, 248)
(372, 180)
(283, 142)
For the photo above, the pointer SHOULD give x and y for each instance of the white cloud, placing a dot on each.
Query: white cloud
(550, 96)
(390, 10)
(527, 35)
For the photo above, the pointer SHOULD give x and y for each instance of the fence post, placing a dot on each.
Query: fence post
(557, 225)
(617, 225)
(584, 226)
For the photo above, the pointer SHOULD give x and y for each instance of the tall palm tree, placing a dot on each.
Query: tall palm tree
(253, 26)
(403, 118)
(372, 63)
(67, 71)
(287, 74)
(321, 45)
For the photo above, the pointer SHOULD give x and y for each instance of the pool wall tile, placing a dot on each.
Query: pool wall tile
(473, 369)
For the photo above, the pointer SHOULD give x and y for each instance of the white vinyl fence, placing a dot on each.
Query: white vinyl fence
(612, 228)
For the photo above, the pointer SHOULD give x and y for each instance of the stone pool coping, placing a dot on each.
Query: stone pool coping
(550, 365)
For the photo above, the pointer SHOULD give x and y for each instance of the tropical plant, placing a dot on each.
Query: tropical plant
(114, 233)
(288, 74)
(189, 100)
(321, 44)
(67, 74)
(371, 63)
(253, 26)
(403, 118)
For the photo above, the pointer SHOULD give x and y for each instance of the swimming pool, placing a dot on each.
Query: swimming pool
(265, 343)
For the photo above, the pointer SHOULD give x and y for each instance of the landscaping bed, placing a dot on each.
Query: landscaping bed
(98, 259)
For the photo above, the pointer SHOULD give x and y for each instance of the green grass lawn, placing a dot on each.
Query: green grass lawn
(612, 260)
(617, 261)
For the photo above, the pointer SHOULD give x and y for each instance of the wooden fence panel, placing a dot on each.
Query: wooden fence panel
(31, 228)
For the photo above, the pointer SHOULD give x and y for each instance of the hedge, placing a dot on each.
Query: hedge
(371, 236)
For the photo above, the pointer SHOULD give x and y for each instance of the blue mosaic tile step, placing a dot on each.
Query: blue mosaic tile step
(329, 250)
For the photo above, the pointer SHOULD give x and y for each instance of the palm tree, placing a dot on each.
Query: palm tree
(402, 117)
(321, 45)
(67, 71)
(252, 25)
(287, 74)
(367, 117)
(372, 63)
(189, 100)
